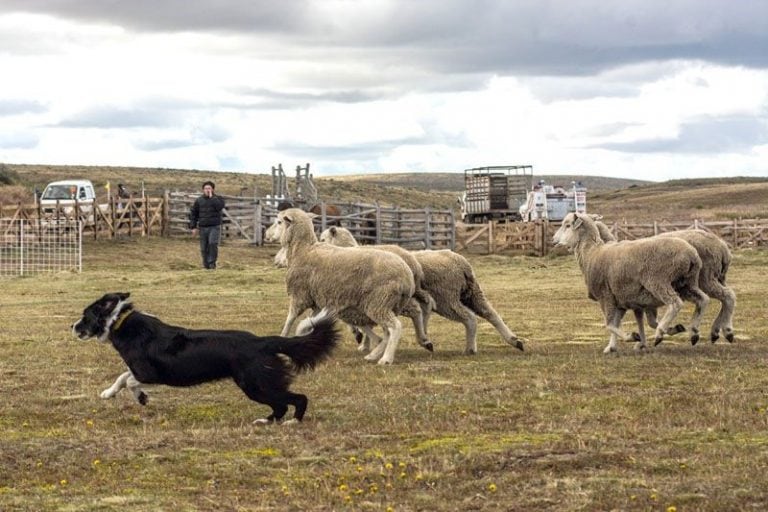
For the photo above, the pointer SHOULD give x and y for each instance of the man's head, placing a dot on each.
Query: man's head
(208, 188)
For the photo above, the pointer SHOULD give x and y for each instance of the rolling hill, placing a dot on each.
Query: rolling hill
(616, 199)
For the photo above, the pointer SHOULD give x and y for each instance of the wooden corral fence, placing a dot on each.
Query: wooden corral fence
(140, 216)
(249, 217)
(535, 238)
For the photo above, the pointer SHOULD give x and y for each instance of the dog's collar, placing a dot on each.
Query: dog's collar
(120, 319)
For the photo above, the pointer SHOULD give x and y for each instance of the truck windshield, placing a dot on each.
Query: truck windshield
(59, 192)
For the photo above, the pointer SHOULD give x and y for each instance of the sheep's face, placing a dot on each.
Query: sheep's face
(568, 234)
(271, 234)
(328, 236)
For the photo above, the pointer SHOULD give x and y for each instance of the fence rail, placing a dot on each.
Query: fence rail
(535, 238)
(369, 223)
(249, 217)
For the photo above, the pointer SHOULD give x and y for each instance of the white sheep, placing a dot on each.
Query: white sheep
(451, 282)
(636, 274)
(363, 288)
(715, 261)
(421, 304)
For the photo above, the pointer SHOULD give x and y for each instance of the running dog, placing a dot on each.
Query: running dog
(158, 353)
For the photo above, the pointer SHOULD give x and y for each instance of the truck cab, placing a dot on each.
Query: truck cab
(65, 194)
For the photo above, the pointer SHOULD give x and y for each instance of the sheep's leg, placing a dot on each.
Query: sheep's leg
(369, 339)
(613, 316)
(394, 332)
(378, 349)
(653, 322)
(413, 311)
(724, 319)
(481, 307)
(673, 308)
(293, 314)
(700, 299)
(640, 329)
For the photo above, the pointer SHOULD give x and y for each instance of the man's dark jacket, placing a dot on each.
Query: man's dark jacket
(206, 212)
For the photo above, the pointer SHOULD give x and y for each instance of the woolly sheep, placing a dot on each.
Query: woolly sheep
(635, 275)
(360, 287)
(422, 302)
(715, 261)
(450, 280)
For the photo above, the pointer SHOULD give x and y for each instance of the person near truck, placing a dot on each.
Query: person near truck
(206, 217)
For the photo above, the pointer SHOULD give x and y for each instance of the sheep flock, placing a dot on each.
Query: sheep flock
(382, 283)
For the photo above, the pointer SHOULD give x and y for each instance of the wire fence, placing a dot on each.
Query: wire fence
(33, 247)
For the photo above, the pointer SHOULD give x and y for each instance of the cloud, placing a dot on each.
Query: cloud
(119, 117)
(525, 37)
(724, 135)
(20, 106)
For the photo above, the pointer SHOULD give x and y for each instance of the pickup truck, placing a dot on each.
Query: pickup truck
(65, 194)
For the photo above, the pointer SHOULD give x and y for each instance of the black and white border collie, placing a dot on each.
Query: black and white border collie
(158, 353)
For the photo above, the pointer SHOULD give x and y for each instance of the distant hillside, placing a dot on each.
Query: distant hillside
(615, 199)
(454, 181)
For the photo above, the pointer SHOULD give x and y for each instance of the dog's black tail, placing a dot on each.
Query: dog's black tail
(306, 350)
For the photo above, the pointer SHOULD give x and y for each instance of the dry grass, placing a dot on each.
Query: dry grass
(559, 427)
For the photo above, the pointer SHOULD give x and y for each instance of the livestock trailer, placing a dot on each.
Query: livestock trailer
(495, 192)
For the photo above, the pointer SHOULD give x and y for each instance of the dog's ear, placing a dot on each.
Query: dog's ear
(123, 295)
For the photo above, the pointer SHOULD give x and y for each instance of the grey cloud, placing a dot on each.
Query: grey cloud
(199, 135)
(705, 136)
(117, 117)
(268, 99)
(458, 36)
(15, 107)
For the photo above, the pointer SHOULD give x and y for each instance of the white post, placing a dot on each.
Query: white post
(21, 247)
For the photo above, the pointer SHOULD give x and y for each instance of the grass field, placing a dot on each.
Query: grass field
(558, 427)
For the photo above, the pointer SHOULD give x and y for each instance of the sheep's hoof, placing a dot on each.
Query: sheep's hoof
(730, 337)
(518, 345)
(428, 345)
(635, 337)
(657, 340)
(714, 337)
(640, 347)
(142, 398)
(358, 337)
(383, 361)
(694, 338)
(678, 328)
(609, 349)
(470, 351)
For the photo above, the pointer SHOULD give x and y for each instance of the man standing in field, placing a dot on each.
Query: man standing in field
(206, 216)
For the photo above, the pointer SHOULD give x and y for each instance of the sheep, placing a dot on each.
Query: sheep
(422, 302)
(360, 287)
(450, 280)
(635, 275)
(715, 261)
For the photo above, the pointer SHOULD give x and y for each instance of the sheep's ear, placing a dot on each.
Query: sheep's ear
(287, 219)
(333, 230)
(577, 223)
(312, 215)
(595, 216)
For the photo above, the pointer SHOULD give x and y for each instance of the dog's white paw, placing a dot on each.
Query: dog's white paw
(108, 393)
(292, 421)
(262, 421)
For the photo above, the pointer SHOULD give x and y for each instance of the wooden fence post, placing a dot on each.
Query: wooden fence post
(491, 244)
(257, 224)
(378, 224)
(427, 232)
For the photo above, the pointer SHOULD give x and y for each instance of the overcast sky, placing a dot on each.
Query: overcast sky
(647, 89)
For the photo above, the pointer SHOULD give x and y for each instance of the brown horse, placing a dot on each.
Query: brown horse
(332, 213)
